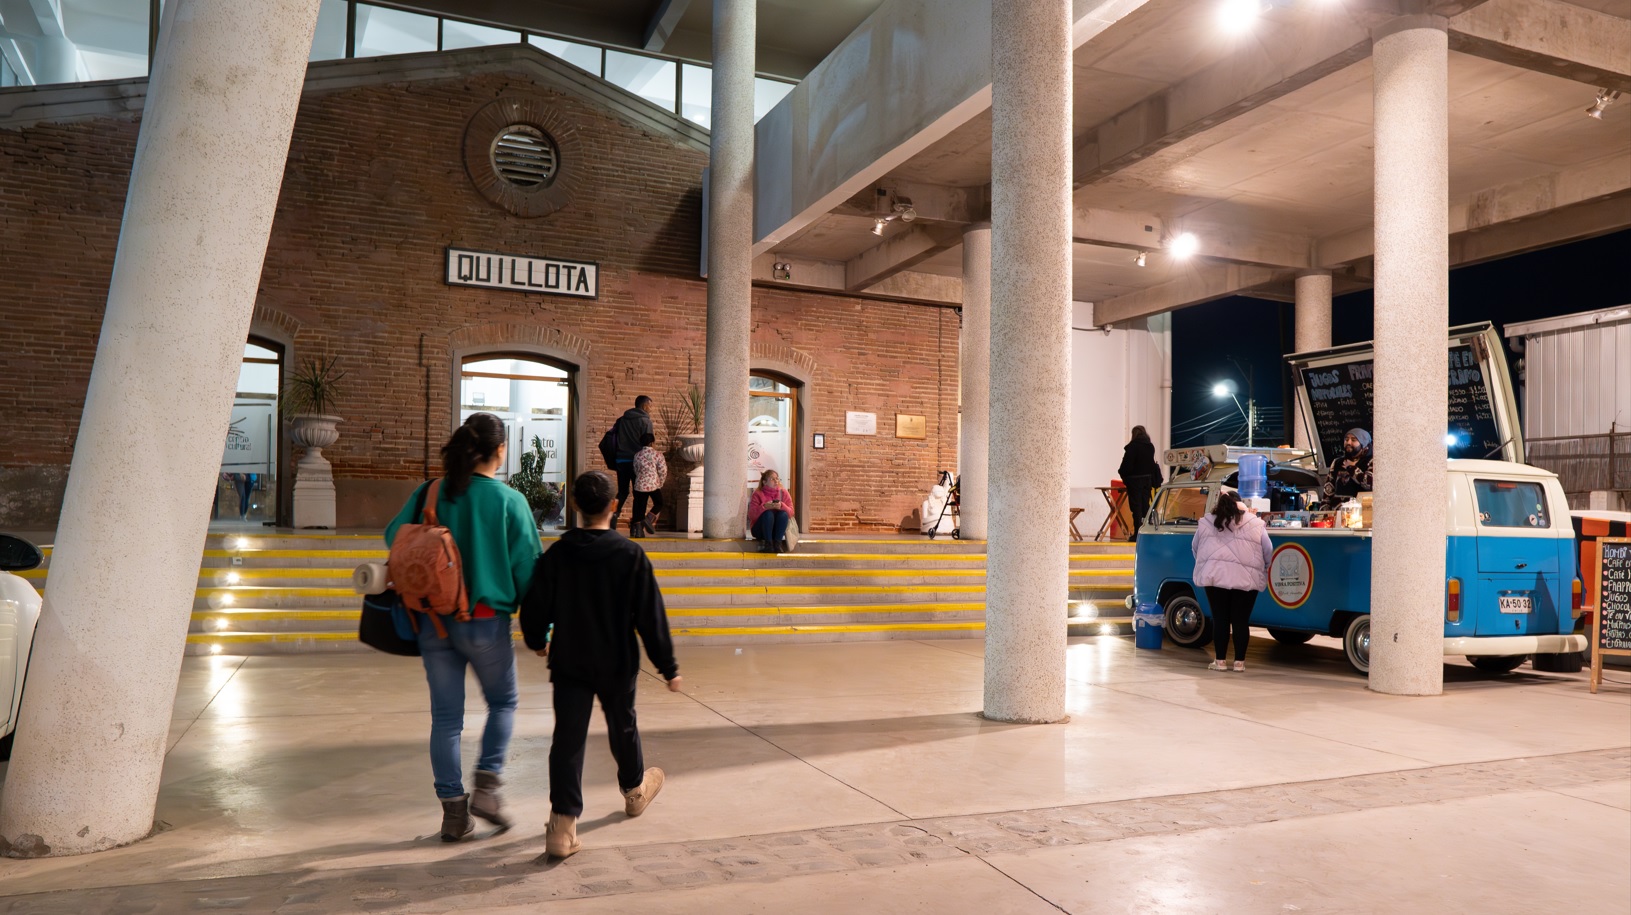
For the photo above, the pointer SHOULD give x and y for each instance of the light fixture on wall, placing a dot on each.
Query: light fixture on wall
(879, 223)
(900, 208)
(782, 271)
(1142, 258)
(1183, 245)
(1605, 97)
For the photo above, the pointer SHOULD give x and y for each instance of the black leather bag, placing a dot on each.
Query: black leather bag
(386, 625)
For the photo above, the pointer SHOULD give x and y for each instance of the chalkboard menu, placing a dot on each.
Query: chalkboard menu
(1612, 633)
(1343, 397)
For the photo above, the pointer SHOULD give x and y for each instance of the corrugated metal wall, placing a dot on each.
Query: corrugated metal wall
(1577, 380)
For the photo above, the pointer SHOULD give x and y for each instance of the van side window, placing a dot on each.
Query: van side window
(1511, 503)
(1182, 505)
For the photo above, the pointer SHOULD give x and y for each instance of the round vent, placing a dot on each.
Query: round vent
(524, 156)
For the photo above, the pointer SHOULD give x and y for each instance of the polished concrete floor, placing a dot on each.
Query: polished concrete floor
(861, 777)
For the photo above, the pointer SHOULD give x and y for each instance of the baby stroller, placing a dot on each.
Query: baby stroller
(942, 507)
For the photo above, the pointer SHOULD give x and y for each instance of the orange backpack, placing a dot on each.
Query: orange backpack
(424, 567)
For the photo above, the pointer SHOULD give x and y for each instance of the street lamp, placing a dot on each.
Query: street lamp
(1248, 411)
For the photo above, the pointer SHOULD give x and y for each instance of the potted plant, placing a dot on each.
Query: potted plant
(309, 399)
(543, 498)
(691, 406)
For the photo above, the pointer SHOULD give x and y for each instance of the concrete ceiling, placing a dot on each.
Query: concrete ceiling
(1278, 176)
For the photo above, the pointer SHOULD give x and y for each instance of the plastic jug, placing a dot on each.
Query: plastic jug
(1253, 481)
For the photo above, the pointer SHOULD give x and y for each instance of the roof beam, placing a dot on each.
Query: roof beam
(663, 22)
(1252, 77)
(1202, 284)
(898, 254)
(1148, 232)
(1550, 37)
(931, 202)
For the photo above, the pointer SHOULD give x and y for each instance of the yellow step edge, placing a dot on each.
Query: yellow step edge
(243, 573)
(236, 616)
(814, 573)
(820, 589)
(658, 555)
(814, 610)
(362, 555)
(1100, 573)
(248, 592)
(836, 628)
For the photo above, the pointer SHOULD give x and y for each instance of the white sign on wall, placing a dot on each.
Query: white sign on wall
(861, 423)
(249, 438)
(522, 274)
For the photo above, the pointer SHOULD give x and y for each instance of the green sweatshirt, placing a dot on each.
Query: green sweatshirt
(498, 542)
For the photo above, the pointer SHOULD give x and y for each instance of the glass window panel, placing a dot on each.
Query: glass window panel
(766, 93)
(697, 94)
(648, 77)
(104, 40)
(251, 351)
(1506, 503)
(582, 56)
(457, 35)
(770, 438)
(328, 42)
(381, 31)
(1185, 505)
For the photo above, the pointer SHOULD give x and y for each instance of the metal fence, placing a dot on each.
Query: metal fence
(1586, 462)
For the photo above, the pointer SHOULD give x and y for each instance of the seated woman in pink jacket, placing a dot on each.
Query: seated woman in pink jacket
(769, 510)
(1232, 553)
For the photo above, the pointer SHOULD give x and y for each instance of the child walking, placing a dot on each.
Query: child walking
(650, 472)
(597, 591)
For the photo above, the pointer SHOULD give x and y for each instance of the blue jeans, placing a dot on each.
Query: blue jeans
(485, 646)
(771, 526)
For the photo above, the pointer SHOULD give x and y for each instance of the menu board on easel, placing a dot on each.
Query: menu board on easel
(1611, 632)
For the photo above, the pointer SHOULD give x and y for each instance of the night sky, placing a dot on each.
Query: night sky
(1583, 276)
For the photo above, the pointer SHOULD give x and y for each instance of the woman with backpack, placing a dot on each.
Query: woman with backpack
(1232, 553)
(498, 546)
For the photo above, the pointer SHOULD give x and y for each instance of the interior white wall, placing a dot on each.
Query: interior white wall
(1117, 380)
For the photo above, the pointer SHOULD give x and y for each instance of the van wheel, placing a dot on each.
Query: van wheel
(1568, 662)
(1187, 626)
(1356, 643)
(1287, 637)
(1498, 664)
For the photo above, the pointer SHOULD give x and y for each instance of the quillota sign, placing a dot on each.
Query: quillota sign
(522, 274)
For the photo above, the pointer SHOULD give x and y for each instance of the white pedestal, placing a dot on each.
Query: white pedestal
(689, 516)
(314, 491)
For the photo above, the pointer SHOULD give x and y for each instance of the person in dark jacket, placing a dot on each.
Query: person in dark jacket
(1353, 472)
(632, 428)
(1140, 474)
(592, 592)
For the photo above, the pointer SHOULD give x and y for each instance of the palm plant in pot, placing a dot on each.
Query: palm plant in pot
(690, 413)
(309, 400)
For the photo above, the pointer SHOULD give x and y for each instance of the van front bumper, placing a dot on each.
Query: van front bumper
(1497, 646)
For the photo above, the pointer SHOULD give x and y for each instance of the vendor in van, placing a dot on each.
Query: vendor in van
(1351, 474)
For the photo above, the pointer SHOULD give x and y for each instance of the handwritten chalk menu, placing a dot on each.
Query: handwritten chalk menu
(1343, 397)
(1612, 632)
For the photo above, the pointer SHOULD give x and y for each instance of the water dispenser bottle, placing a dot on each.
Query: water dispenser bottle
(1253, 481)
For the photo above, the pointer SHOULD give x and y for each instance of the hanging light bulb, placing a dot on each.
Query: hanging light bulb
(1141, 259)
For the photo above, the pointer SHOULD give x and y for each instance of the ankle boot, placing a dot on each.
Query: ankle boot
(638, 798)
(561, 836)
(456, 822)
(485, 802)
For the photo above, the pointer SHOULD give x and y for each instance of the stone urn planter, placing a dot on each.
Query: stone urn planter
(690, 447)
(314, 475)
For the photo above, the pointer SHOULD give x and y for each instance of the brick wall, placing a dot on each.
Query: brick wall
(375, 190)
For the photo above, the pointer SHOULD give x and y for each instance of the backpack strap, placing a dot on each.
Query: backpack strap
(427, 501)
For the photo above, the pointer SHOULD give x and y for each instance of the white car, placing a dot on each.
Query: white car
(19, 612)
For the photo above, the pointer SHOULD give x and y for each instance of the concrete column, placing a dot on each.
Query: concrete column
(1027, 582)
(973, 458)
(1412, 361)
(730, 271)
(209, 163)
(1313, 330)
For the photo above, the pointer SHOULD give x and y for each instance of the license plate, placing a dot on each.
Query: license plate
(1512, 603)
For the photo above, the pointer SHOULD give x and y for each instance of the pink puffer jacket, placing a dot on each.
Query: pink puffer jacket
(1235, 557)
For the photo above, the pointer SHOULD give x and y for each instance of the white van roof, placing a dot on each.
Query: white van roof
(1499, 469)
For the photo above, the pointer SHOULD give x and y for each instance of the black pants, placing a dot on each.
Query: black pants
(1230, 608)
(574, 702)
(1138, 501)
(625, 482)
(656, 497)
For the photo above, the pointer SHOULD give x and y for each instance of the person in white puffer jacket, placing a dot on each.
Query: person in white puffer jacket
(1232, 552)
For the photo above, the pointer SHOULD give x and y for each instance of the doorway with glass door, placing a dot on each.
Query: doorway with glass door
(773, 431)
(533, 397)
(246, 491)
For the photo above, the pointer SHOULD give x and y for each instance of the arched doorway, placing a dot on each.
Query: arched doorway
(533, 396)
(773, 431)
(246, 491)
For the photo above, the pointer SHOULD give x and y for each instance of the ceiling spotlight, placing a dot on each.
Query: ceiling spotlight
(1184, 245)
(878, 224)
(1141, 259)
(1237, 16)
(1604, 98)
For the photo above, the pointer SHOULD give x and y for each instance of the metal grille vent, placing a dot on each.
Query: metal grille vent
(524, 156)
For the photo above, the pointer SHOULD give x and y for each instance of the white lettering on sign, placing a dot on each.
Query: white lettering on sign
(1291, 576)
(523, 274)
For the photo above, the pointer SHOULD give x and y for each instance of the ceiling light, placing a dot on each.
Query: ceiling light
(1141, 259)
(1236, 16)
(1604, 98)
(878, 224)
(1184, 245)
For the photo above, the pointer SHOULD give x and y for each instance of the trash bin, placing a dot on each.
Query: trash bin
(1149, 623)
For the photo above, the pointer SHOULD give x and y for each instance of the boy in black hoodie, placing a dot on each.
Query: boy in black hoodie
(596, 588)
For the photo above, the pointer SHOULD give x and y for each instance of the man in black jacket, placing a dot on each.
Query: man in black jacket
(596, 589)
(632, 427)
(1140, 474)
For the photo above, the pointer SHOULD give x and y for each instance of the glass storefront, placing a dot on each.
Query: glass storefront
(533, 398)
(772, 430)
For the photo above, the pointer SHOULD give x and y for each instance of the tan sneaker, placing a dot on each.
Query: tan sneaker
(636, 800)
(561, 836)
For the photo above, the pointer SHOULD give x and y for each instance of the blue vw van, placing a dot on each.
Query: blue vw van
(1512, 588)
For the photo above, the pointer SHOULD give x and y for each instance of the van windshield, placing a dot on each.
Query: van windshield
(1182, 505)
(1510, 503)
